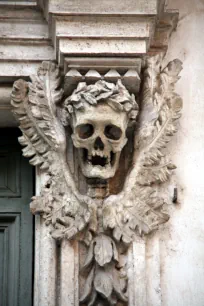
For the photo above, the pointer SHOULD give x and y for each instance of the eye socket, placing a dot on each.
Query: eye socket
(113, 132)
(85, 130)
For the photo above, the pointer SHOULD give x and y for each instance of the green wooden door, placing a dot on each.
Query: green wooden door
(16, 223)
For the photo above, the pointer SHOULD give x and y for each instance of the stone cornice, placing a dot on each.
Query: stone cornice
(24, 40)
(24, 43)
(61, 30)
(101, 28)
(105, 28)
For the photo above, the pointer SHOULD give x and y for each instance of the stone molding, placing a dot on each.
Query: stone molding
(75, 29)
(101, 28)
(97, 29)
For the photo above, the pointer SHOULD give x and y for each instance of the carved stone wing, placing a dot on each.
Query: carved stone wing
(35, 106)
(139, 207)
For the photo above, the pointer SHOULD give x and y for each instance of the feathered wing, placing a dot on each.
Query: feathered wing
(35, 107)
(139, 207)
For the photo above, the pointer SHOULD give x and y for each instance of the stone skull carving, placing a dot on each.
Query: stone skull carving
(99, 116)
(100, 134)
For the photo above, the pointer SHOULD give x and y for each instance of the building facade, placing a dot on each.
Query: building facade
(106, 96)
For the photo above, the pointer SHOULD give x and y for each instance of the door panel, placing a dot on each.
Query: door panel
(10, 173)
(16, 223)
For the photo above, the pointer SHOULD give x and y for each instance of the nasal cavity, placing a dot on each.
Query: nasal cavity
(98, 144)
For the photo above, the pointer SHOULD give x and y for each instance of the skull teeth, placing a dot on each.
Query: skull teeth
(98, 158)
(98, 153)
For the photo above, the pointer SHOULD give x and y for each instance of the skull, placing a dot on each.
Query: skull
(99, 134)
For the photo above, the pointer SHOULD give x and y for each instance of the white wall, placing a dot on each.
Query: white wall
(182, 241)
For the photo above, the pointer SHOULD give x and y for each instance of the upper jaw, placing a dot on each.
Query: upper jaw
(98, 164)
(98, 158)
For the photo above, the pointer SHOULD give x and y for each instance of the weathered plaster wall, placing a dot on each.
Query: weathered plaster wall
(182, 241)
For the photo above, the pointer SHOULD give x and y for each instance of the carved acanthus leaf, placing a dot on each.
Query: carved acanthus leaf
(103, 283)
(103, 250)
(105, 274)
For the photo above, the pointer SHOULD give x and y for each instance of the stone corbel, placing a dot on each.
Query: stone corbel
(91, 70)
(98, 116)
(100, 139)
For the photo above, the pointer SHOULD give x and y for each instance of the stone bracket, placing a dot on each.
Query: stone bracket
(93, 69)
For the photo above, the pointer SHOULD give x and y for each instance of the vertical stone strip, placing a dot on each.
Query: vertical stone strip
(69, 274)
(45, 259)
(137, 274)
(153, 270)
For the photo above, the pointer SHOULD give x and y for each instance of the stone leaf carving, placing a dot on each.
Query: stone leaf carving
(106, 280)
(109, 225)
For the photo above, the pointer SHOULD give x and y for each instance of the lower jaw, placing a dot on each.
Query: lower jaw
(97, 171)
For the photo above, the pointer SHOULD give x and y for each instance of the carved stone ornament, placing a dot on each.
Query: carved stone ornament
(98, 116)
